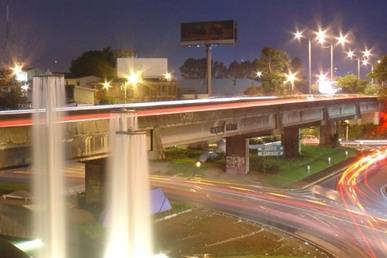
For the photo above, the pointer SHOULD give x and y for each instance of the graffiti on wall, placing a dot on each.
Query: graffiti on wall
(236, 164)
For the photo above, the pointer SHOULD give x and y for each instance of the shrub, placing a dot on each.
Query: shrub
(263, 165)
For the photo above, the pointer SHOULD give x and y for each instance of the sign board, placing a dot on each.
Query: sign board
(211, 32)
(270, 150)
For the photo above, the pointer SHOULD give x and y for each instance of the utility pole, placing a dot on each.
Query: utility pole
(209, 70)
(6, 23)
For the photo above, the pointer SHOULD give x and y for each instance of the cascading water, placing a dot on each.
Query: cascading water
(48, 163)
(128, 191)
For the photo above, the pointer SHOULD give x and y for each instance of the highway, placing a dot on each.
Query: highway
(13, 118)
(344, 230)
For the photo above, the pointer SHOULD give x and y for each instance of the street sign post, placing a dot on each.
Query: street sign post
(270, 150)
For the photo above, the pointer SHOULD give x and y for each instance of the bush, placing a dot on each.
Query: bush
(263, 165)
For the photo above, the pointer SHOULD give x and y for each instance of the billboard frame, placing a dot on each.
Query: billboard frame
(206, 25)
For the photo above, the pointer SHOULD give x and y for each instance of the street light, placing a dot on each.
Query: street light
(16, 69)
(258, 74)
(367, 53)
(298, 35)
(133, 79)
(342, 39)
(291, 78)
(168, 76)
(365, 62)
(322, 37)
(25, 87)
(351, 54)
(106, 85)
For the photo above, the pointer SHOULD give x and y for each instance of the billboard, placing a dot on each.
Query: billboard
(211, 32)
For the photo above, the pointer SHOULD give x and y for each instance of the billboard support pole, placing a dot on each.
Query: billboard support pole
(209, 70)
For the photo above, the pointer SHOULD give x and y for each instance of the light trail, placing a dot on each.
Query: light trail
(14, 118)
(351, 196)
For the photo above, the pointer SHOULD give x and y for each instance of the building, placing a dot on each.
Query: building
(82, 90)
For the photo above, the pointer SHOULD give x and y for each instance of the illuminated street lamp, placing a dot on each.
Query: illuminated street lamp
(367, 53)
(168, 76)
(299, 35)
(106, 85)
(365, 62)
(351, 54)
(321, 36)
(258, 74)
(133, 79)
(291, 78)
(17, 71)
(25, 87)
(342, 39)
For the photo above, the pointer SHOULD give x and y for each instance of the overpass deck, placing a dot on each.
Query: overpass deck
(14, 118)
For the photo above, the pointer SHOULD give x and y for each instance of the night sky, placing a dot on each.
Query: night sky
(42, 31)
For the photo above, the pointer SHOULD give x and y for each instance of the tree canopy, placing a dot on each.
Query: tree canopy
(380, 71)
(351, 84)
(274, 65)
(101, 63)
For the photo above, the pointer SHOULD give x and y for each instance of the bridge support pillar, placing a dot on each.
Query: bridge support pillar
(237, 155)
(291, 142)
(156, 152)
(328, 133)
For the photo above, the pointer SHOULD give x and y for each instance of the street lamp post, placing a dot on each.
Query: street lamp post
(299, 35)
(133, 79)
(291, 78)
(332, 62)
(310, 66)
(351, 55)
(321, 38)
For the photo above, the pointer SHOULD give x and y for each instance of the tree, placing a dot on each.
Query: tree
(249, 69)
(197, 69)
(380, 71)
(193, 68)
(351, 84)
(12, 98)
(235, 70)
(219, 70)
(274, 64)
(296, 64)
(101, 63)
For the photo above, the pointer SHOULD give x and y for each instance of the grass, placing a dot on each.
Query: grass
(293, 170)
(177, 207)
(7, 187)
(183, 161)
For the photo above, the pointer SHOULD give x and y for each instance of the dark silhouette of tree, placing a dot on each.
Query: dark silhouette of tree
(219, 70)
(193, 68)
(274, 65)
(235, 70)
(101, 63)
(197, 69)
(11, 98)
(380, 71)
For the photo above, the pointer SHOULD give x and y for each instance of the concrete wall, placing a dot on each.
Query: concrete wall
(84, 95)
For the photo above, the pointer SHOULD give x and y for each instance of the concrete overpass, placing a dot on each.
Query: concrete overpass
(171, 123)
